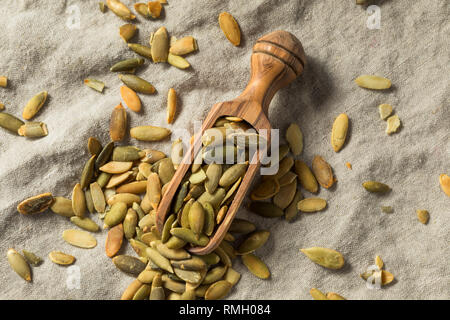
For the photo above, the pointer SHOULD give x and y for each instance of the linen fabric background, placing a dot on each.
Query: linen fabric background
(42, 50)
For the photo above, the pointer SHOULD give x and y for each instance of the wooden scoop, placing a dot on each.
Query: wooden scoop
(277, 60)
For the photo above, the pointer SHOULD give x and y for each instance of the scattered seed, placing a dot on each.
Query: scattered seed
(62, 206)
(241, 226)
(31, 258)
(177, 61)
(254, 241)
(127, 65)
(85, 223)
(266, 209)
(444, 181)
(322, 171)
(294, 137)
(94, 146)
(116, 214)
(33, 130)
(266, 189)
(149, 133)
(292, 210)
(385, 110)
(141, 50)
(34, 105)
(327, 258)
(3, 81)
(36, 204)
(104, 155)
(306, 177)
(183, 46)
(171, 105)
(129, 264)
(131, 290)
(339, 132)
(79, 238)
(127, 198)
(118, 123)
(230, 28)
(373, 82)
(189, 236)
(423, 216)
(154, 9)
(317, 294)
(137, 84)
(10, 122)
(256, 266)
(19, 264)
(218, 290)
(159, 44)
(312, 205)
(393, 124)
(348, 165)
(88, 173)
(102, 7)
(114, 240)
(153, 190)
(387, 209)
(120, 9)
(142, 9)
(379, 262)
(130, 98)
(61, 258)
(127, 31)
(95, 84)
(377, 187)
(284, 198)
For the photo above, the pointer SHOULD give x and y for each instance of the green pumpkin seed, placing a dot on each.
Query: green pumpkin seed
(256, 266)
(88, 173)
(98, 198)
(221, 214)
(85, 223)
(61, 258)
(94, 146)
(197, 218)
(241, 226)
(327, 258)
(78, 201)
(34, 105)
(224, 257)
(62, 206)
(214, 199)
(231, 191)
(213, 174)
(159, 260)
(323, 172)
(79, 238)
(173, 254)
(120, 10)
(179, 200)
(127, 31)
(197, 177)
(172, 285)
(152, 156)
(254, 241)
(188, 295)
(339, 132)
(294, 137)
(232, 174)
(266, 189)
(36, 204)
(137, 84)
(139, 247)
(194, 192)
(287, 178)
(210, 258)
(127, 65)
(166, 229)
(266, 209)
(104, 155)
(229, 249)
(177, 61)
(143, 292)
(166, 170)
(193, 277)
(193, 264)
(116, 214)
(33, 130)
(373, 82)
(160, 45)
(94, 84)
(189, 236)
(147, 276)
(153, 190)
(377, 187)
(126, 154)
(10, 122)
(284, 198)
(130, 223)
(201, 290)
(19, 264)
(215, 274)
(176, 242)
(292, 210)
(31, 258)
(149, 133)
(89, 201)
(306, 177)
(129, 264)
(317, 294)
(312, 205)
(218, 290)
(147, 221)
(209, 222)
(232, 276)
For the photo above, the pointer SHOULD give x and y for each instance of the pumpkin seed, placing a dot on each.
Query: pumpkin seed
(196, 191)
(209, 218)
(34, 105)
(385, 110)
(152, 156)
(137, 84)
(179, 200)
(215, 274)
(221, 214)
(312, 205)
(317, 294)
(306, 177)
(172, 285)
(3, 81)
(175, 243)
(232, 276)
(62, 206)
(36, 204)
(254, 241)
(230, 28)
(287, 179)
(147, 276)
(120, 9)
(61, 258)
(339, 132)
(241, 226)
(149, 133)
(127, 198)
(214, 199)
(117, 179)
(139, 247)
(213, 174)
(118, 123)
(294, 137)
(88, 173)
(130, 223)
(94, 146)
(114, 240)
(173, 254)
(10, 122)
(147, 221)
(131, 290)
(153, 190)
(78, 201)
(327, 258)
(377, 187)
(104, 155)
(95, 84)
(386, 277)
(218, 290)
(160, 45)
(393, 124)
(142, 51)
(85, 223)
(115, 167)
(224, 257)
(210, 258)
(196, 218)
(373, 82)
(387, 209)
(193, 264)
(131, 98)
(142, 293)
(165, 235)
(166, 170)
(189, 236)
(157, 292)
(116, 214)
(197, 177)
(284, 198)
(127, 65)
(127, 31)
(33, 130)
(183, 46)
(31, 258)
(136, 187)
(323, 172)
(154, 9)
(232, 174)
(292, 210)
(89, 201)
(444, 181)
(159, 259)
(265, 209)
(256, 266)
(379, 262)
(193, 277)
(79, 238)
(177, 61)
(129, 264)
(423, 216)
(334, 296)
(19, 264)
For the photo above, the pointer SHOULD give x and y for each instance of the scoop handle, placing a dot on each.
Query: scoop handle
(278, 59)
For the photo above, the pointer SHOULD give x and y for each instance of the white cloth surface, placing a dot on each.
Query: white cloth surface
(39, 52)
